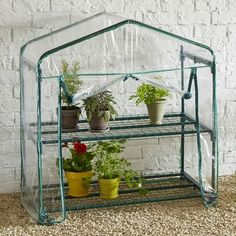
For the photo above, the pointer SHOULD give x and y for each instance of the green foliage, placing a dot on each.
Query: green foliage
(109, 164)
(148, 94)
(102, 102)
(71, 79)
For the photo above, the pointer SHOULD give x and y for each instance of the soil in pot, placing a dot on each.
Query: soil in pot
(156, 112)
(109, 188)
(98, 122)
(70, 117)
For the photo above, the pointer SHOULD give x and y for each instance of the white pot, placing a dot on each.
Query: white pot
(156, 112)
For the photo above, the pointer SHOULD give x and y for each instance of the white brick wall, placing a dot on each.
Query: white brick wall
(209, 21)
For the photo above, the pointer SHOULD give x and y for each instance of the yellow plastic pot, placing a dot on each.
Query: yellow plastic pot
(79, 183)
(109, 188)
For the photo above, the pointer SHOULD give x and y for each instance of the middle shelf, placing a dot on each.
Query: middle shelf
(126, 127)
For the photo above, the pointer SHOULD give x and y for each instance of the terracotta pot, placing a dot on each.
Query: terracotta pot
(97, 122)
(78, 183)
(156, 112)
(70, 117)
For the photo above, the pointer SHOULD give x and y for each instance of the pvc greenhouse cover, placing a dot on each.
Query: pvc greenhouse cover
(117, 54)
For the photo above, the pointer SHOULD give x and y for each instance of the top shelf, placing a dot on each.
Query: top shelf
(126, 127)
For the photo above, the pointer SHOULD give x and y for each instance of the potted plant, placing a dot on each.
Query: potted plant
(110, 167)
(99, 109)
(70, 114)
(78, 168)
(154, 98)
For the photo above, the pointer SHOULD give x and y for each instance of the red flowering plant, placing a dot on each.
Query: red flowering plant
(81, 158)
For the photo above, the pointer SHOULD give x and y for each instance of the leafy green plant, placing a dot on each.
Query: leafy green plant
(71, 79)
(148, 94)
(110, 165)
(102, 102)
(80, 159)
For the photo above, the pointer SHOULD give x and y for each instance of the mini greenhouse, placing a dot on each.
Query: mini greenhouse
(178, 158)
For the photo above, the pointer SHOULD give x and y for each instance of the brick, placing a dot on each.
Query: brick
(159, 151)
(16, 92)
(23, 34)
(137, 165)
(6, 92)
(170, 6)
(31, 6)
(41, 31)
(10, 187)
(183, 30)
(185, 4)
(223, 17)
(75, 17)
(230, 69)
(131, 6)
(116, 6)
(16, 63)
(132, 151)
(230, 158)
(9, 147)
(9, 77)
(232, 31)
(226, 119)
(227, 169)
(5, 49)
(16, 118)
(230, 82)
(6, 174)
(5, 35)
(6, 62)
(55, 20)
(6, 6)
(189, 17)
(218, 44)
(9, 105)
(14, 48)
(211, 31)
(70, 6)
(164, 18)
(6, 120)
(9, 133)
(212, 5)
(10, 161)
(15, 20)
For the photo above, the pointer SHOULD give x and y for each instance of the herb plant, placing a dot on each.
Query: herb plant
(71, 79)
(102, 102)
(148, 94)
(110, 165)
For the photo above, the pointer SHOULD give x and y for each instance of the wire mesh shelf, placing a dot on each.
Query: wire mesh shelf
(160, 188)
(126, 127)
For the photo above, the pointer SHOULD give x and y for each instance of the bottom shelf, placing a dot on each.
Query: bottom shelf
(160, 188)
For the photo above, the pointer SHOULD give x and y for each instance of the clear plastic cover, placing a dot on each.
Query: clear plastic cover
(119, 55)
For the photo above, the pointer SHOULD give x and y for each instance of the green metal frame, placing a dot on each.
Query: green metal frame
(43, 217)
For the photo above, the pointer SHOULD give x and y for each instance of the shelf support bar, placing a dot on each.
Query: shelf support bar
(182, 111)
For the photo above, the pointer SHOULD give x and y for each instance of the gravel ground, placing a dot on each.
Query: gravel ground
(188, 217)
